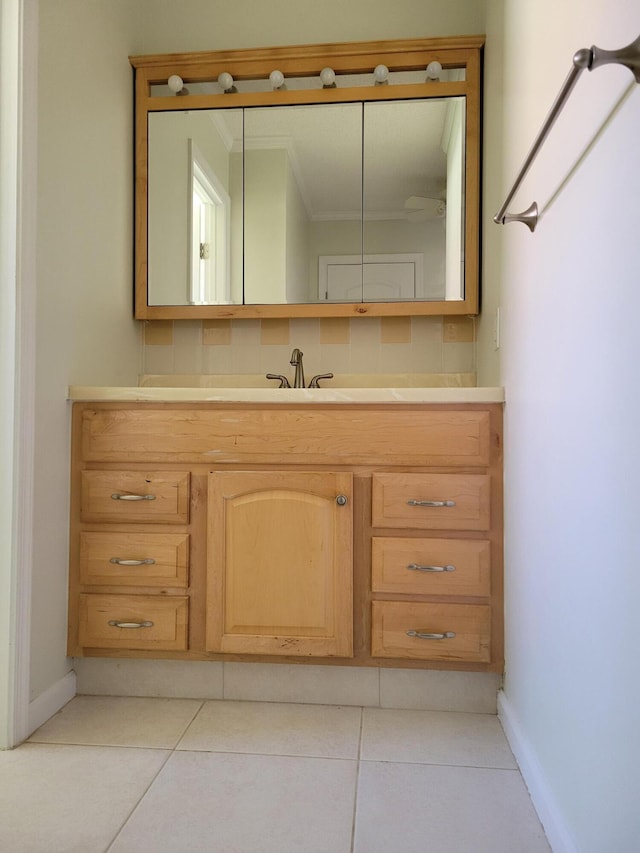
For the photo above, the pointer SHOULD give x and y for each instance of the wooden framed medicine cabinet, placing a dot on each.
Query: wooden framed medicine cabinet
(331, 180)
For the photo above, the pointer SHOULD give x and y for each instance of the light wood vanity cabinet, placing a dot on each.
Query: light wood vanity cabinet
(365, 534)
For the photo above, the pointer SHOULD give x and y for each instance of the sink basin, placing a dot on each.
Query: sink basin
(245, 388)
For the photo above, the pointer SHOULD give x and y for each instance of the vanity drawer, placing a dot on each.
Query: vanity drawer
(135, 496)
(134, 559)
(469, 623)
(302, 435)
(431, 501)
(430, 566)
(155, 622)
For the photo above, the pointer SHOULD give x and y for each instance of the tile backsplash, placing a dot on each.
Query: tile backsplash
(336, 345)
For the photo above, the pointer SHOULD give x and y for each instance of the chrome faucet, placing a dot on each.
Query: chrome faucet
(298, 380)
(296, 361)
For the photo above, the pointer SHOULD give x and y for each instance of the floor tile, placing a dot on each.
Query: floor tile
(415, 808)
(227, 803)
(56, 798)
(271, 728)
(434, 737)
(119, 721)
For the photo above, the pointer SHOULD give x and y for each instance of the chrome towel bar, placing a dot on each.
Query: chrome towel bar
(590, 58)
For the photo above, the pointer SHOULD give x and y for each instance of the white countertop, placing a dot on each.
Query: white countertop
(89, 393)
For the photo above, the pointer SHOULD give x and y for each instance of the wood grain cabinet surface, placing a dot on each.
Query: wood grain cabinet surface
(361, 534)
(280, 568)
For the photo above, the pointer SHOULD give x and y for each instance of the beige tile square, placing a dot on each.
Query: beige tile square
(395, 330)
(158, 333)
(427, 329)
(434, 737)
(366, 359)
(177, 679)
(276, 359)
(271, 728)
(304, 331)
(250, 358)
(335, 330)
(70, 798)
(334, 358)
(274, 331)
(459, 809)
(396, 358)
(324, 685)
(432, 690)
(216, 333)
(426, 357)
(187, 358)
(458, 330)
(245, 804)
(119, 721)
(458, 358)
(158, 360)
(217, 359)
(187, 333)
(245, 332)
(365, 331)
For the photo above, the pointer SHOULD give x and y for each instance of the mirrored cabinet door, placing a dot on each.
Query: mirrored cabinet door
(302, 200)
(195, 218)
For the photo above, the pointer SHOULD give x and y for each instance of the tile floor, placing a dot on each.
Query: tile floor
(125, 774)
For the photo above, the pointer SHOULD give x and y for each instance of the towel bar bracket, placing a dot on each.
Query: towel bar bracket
(628, 56)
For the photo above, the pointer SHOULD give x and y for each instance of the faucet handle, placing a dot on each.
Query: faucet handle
(315, 380)
(284, 382)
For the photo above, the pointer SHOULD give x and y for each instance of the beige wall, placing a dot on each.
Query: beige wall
(85, 331)
(570, 302)
(163, 26)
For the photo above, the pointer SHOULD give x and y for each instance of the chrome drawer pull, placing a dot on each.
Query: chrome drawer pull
(118, 497)
(431, 503)
(115, 623)
(414, 567)
(422, 635)
(119, 562)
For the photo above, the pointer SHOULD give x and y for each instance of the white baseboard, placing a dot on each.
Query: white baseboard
(50, 702)
(544, 802)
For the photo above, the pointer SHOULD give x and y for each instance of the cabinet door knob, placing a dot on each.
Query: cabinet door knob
(341, 500)
(425, 635)
(116, 623)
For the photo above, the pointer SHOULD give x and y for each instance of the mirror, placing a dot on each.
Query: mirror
(328, 208)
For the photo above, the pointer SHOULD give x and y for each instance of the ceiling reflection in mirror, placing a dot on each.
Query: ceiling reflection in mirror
(349, 202)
